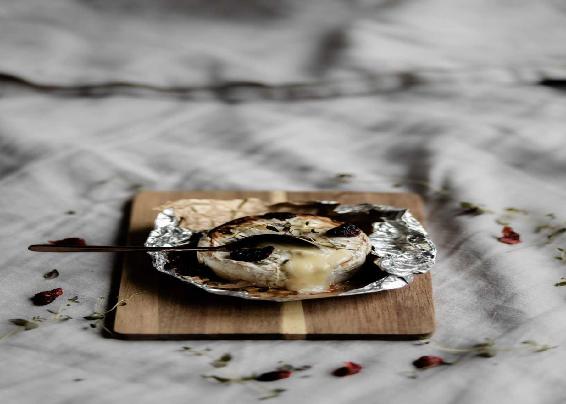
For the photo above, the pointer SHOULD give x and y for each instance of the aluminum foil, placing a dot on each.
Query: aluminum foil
(401, 249)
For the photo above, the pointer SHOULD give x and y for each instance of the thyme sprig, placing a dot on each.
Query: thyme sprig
(99, 314)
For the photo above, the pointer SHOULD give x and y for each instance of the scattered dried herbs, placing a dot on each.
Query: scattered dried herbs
(349, 369)
(285, 366)
(485, 349)
(94, 316)
(273, 394)
(46, 297)
(472, 209)
(503, 221)
(542, 227)
(516, 210)
(509, 236)
(536, 347)
(221, 379)
(99, 313)
(343, 178)
(556, 233)
(74, 299)
(222, 362)
(26, 324)
(51, 274)
(561, 254)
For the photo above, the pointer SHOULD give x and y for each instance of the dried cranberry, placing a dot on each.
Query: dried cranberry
(69, 242)
(509, 236)
(279, 215)
(251, 254)
(428, 361)
(344, 230)
(274, 375)
(349, 369)
(46, 297)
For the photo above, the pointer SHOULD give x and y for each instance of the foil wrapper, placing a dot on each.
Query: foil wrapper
(401, 249)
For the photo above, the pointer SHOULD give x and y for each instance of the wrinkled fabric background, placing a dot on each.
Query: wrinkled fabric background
(473, 121)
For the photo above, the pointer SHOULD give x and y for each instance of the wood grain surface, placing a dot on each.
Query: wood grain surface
(161, 307)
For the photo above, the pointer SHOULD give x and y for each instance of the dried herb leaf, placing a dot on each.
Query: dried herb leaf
(538, 347)
(221, 379)
(485, 349)
(222, 361)
(22, 322)
(285, 366)
(273, 394)
(516, 210)
(472, 209)
(562, 282)
(556, 233)
(343, 178)
(542, 227)
(51, 274)
(502, 221)
(94, 316)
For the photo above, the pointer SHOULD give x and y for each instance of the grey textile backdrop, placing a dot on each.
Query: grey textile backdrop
(456, 100)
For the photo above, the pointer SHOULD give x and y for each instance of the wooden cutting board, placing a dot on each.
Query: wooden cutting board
(167, 308)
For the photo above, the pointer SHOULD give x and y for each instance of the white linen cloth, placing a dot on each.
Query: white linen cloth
(494, 137)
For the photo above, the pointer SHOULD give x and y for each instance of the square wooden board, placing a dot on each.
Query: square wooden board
(170, 309)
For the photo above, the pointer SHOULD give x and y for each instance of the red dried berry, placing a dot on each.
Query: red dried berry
(509, 236)
(46, 297)
(349, 369)
(428, 361)
(274, 375)
(344, 230)
(69, 242)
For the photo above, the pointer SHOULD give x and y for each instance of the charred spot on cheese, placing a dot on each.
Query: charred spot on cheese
(344, 230)
(251, 254)
(279, 215)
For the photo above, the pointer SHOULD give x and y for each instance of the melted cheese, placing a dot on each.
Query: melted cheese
(309, 268)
